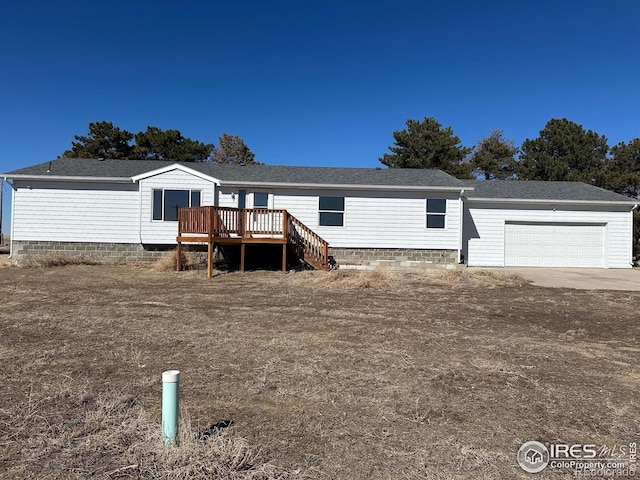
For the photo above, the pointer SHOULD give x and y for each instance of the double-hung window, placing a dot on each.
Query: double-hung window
(167, 202)
(331, 210)
(436, 213)
(260, 200)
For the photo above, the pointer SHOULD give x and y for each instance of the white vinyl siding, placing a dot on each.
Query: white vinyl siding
(300, 203)
(75, 212)
(227, 197)
(230, 197)
(376, 220)
(484, 229)
(164, 233)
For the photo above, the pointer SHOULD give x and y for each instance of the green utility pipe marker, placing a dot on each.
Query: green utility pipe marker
(170, 406)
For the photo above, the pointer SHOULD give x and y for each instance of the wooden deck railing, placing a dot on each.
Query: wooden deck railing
(253, 225)
(309, 246)
(194, 220)
(262, 221)
(225, 222)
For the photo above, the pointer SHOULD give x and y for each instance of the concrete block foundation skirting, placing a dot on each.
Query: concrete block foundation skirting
(23, 250)
(365, 258)
(394, 258)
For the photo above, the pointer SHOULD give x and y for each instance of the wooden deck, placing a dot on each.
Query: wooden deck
(242, 226)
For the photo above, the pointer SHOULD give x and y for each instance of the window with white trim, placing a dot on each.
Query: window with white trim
(167, 202)
(436, 213)
(331, 211)
(260, 200)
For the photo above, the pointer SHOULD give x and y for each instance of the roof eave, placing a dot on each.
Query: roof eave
(545, 201)
(341, 186)
(61, 178)
(175, 166)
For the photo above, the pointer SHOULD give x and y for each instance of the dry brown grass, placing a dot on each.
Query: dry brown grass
(339, 375)
(51, 260)
(347, 279)
(475, 277)
(71, 432)
(188, 261)
(382, 278)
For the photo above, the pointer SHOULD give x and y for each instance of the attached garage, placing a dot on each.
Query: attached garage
(546, 224)
(554, 245)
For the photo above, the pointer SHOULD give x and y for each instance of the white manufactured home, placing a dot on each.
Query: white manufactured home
(128, 210)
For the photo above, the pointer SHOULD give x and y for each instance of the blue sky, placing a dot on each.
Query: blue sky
(313, 82)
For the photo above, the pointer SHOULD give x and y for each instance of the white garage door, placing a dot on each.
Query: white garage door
(553, 245)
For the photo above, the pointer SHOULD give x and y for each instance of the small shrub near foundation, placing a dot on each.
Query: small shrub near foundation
(51, 260)
(188, 261)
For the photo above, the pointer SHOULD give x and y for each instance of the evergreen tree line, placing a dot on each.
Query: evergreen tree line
(104, 140)
(563, 151)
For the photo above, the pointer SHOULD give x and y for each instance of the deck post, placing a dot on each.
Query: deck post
(216, 220)
(285, 238)
(285, 224)
(210, 230)
(241, 222)
(242, 257)
(178, 249)
(325, 262)
(284, 257)
(209, 258)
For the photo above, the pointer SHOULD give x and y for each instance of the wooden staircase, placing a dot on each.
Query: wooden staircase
(310, 247)
(243, 226)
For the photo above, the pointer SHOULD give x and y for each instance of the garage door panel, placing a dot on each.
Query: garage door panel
(554, 245)
(585, 251)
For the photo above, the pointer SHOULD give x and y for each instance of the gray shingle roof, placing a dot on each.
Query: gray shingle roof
(393, 177)
(74, 167)
(333, 176)
(81, 167)
(539, 190)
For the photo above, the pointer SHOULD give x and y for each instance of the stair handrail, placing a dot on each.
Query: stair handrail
(315, 249)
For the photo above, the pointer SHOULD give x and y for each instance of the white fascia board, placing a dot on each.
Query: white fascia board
(175, 166)
(59, 178)
(325, 186)
(619, 203)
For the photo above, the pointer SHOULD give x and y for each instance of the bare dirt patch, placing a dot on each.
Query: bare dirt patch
(325, 375)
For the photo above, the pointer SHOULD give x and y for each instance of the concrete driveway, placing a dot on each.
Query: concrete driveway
(581, 278)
